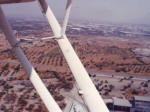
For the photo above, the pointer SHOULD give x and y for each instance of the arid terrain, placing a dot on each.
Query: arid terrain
(100, 52)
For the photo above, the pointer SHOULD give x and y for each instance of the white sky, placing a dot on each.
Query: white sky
(117, 11)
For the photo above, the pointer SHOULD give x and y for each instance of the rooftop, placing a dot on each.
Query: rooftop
(121, 102)
(142, 98)
(108, 101)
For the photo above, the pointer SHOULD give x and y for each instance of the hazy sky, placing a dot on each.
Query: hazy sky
(118, 11)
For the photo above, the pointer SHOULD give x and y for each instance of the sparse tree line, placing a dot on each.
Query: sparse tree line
(52, 60)
(136, 68)
(54, 57)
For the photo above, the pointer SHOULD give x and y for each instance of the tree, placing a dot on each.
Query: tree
(135, 92)
(145, 85)
(4, 68)
(22, 102)
(106, 81)
(30, 107)
(111, 87)
(17, 68)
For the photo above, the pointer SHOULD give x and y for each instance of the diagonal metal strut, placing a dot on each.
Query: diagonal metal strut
(46, 97)
(91, 96)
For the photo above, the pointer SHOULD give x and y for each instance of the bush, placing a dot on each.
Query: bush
(111, 87)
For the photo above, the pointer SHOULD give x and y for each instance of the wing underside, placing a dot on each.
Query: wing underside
(14, 1)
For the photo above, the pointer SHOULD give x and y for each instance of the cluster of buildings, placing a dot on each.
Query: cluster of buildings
(109, 30)
(136, 104)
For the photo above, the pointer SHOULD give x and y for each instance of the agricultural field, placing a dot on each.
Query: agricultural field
(100, 55)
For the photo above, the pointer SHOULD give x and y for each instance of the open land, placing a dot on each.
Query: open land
(117, 58)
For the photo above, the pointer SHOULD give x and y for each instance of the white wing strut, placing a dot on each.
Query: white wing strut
(46, 97)
(65, 21)
(66, 17)
(45, 38)
(91, 96)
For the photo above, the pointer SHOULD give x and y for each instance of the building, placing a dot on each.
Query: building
(109, 103)
(118, 105)
(122, 105)
(141, 104)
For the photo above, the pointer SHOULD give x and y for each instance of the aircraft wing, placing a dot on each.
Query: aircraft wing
(14, 1)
